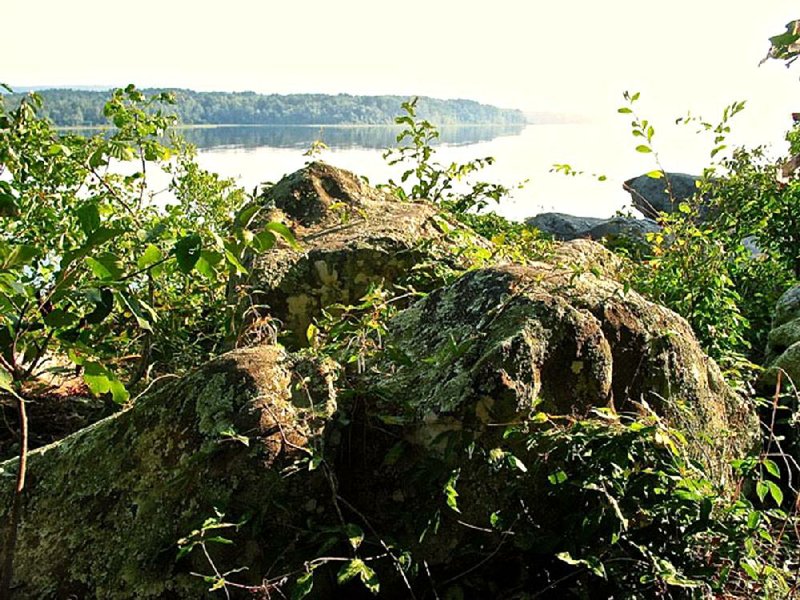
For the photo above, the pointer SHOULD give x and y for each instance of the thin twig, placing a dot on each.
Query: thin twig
(486, 559)
(10, 542)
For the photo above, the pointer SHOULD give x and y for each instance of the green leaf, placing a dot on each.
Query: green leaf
(233, 260)
(450, 492)
(150, 256)
(101, 381)
(753, 519)
(97, 159)
(246, 215)
(263, 240)
(643, 149)
(55, 149)
(89, 217)
(355, 535)
(21, 255)
(104, 304)
(187, 252)
(58, 318)
(717, 150)
(762, 489)
(752, 568)
(284, 232)
(303, 586)
(516, 463)
(96, 377)
(656, 174)
(349, 570)
(358, 567)
(776, 492)
(101, 235)
(140, 310)
(771, 467)
(105, 266)
(312, 335)
(218, 539)
(539, 417)
(557, 478)
(231, 434)
(119, 394)
(8, 205)
(98, 269)
(394, 454)
(204, 268)
(6, 380)
(624, 110)
(591, 562)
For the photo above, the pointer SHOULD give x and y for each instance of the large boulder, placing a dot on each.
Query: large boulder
(782, 363)
(618, 230)
(352, 236)
(105, 507)
(653, 196)
(561, 337)
(783, 343)
(562, 226)
(615, 230)
(503, 350)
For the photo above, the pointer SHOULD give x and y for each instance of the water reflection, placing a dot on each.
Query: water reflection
(336, 137)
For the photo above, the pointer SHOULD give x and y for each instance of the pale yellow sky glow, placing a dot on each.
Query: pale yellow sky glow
(572, 55)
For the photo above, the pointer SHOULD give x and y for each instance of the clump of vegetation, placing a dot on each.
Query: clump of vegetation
(97, 277)
(430, 180)
(700, 265)
(97, 271)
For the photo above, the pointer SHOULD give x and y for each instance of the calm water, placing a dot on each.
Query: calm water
(255, 155)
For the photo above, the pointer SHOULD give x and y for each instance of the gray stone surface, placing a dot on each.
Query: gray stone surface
(562, 226)
(565, 227)
(783, 344)
(651, 196)
(624, 227)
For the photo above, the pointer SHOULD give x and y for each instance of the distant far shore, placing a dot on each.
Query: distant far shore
(84, 108)
(304, 125)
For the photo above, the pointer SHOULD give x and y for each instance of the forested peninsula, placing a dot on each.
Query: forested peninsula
(75, 108)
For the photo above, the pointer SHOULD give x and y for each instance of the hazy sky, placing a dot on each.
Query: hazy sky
(561, 55)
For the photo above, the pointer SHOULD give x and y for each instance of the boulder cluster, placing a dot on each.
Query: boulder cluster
(652, 197)
(290, 444)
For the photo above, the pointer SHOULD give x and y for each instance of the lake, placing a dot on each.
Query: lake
(257, 154)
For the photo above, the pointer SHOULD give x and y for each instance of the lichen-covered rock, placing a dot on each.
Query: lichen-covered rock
(352, 236)
(105, 507)
(419, 432)
(503, 343)
(783, 343)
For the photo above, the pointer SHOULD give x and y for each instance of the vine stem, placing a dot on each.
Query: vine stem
(12, 526)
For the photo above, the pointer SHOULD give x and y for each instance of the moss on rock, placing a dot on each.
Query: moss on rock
(105, 507)
(352, 236)
(510, 341)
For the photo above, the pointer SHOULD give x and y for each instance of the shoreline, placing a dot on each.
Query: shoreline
(304, 125)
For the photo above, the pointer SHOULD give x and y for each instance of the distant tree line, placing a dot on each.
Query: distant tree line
(66, 107)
